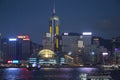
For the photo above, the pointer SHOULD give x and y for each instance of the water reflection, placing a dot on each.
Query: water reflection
(66, 69)
(16, 74)
(88, 70)
(44, 73)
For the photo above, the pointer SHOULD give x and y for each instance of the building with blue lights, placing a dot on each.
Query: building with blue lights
(12, 49)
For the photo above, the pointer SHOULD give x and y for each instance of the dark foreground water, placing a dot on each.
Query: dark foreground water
(49, 73)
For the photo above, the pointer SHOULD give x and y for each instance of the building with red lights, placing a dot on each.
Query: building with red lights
(23, 47)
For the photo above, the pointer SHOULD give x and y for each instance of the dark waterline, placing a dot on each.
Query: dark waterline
(48, 73)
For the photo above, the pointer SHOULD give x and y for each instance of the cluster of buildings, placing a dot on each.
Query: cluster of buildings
(66, 48)
(77, 48)
(17, 48)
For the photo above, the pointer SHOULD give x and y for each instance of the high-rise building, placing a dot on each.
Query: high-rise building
(12, 49)
(72, 44)
(47, 44)
(87, 38)
(4, 49)
(54, 30)
(23, 47)
(96, 41)
(94, 49)
(51, 40)
(116, 50)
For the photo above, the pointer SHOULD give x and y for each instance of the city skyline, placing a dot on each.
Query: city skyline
(101, 17)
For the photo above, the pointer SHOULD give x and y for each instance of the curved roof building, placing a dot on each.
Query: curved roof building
(46, 54)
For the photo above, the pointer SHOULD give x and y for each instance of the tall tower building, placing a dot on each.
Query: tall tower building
(54, 30)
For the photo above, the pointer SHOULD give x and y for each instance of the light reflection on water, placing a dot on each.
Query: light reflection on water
(16, 74)
(43, 74)
(88, 70)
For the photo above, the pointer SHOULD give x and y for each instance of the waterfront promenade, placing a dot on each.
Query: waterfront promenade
(103, 67)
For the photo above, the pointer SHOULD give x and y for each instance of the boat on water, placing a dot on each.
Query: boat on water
(33, 66)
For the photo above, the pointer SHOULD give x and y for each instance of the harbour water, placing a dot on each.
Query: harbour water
(50, 73)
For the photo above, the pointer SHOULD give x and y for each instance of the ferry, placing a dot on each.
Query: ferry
(33, 66)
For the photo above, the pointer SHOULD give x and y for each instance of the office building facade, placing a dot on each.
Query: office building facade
(23, 47)
(12, 49)
(72, 45)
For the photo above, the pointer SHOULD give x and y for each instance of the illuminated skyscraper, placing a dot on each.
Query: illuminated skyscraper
(54, 30)
(12, 49)
(23, 47)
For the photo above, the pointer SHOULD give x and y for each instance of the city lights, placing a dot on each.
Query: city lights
(66, 34)
(21, 37)
(32, 49)
(9, 62)
(105, 54)
(26, 37)
(15, 61)
(87, 33)
(12, 39)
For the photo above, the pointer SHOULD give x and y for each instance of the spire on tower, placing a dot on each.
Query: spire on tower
(54, 8)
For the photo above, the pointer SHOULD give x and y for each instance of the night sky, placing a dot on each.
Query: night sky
(101, 17)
